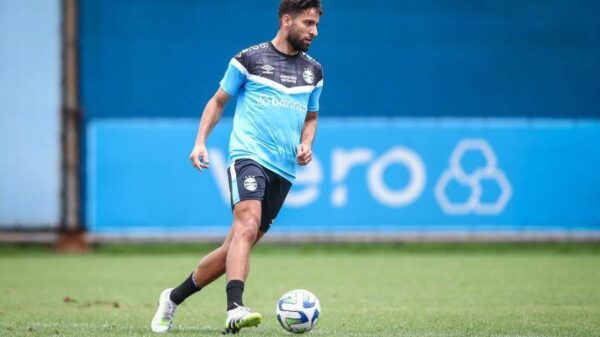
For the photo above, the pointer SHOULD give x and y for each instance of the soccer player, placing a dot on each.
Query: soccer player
(278, 88)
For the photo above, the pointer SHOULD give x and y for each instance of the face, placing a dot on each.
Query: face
(302, 29)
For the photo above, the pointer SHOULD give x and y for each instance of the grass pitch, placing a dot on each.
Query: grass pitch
(407, 290)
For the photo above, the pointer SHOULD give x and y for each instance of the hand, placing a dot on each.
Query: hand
(199, 157)
(303, 154)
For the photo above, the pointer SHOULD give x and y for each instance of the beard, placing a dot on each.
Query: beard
(297, 41)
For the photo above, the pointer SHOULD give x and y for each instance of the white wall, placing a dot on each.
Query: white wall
(30, 61)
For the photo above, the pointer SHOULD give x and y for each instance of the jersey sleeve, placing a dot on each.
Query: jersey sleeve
(234, 78)
(315, 95)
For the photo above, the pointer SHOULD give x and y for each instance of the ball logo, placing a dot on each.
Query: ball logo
(308, 76)
(250, 183)
(473, 181)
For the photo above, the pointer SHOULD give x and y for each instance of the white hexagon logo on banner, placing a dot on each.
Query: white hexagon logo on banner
(473, 180)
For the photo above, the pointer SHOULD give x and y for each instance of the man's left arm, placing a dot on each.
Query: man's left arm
(309, 130)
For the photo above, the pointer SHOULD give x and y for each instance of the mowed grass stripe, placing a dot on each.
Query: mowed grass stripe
(374, 294)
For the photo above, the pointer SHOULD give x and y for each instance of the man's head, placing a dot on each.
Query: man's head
(298, 20)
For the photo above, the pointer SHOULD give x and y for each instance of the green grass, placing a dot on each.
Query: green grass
(385, 290)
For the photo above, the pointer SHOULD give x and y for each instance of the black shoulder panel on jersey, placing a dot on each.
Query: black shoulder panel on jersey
(247, 57)
(266, 62)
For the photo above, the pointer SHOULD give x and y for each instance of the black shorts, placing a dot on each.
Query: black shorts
(248, 180)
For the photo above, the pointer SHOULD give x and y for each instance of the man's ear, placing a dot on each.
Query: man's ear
(286, 21)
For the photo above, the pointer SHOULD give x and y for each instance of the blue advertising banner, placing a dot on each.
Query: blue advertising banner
(375, 176)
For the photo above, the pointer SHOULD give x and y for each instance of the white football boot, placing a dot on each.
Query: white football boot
(239, 318)
(163, 318)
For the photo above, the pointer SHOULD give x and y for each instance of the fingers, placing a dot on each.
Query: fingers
(199, 158)
(305, 161)
(302, 150)
(195, 162)
(204, 162)
(304, 155)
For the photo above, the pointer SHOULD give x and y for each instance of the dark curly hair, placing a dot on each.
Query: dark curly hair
(294, 7)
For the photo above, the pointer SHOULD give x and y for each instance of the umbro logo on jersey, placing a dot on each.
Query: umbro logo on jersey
(267, 69)
(309, 76)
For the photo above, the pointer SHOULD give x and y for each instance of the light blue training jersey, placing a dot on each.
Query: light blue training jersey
(274, 93)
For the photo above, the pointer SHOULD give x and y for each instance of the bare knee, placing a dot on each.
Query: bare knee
(247, 217)
(247, 231)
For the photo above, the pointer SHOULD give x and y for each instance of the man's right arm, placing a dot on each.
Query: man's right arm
(210, 117)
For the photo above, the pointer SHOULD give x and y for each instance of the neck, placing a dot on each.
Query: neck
(281, 43)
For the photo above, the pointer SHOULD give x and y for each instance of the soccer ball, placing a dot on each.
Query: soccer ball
(298, 311)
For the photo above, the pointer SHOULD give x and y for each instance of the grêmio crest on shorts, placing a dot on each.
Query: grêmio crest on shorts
(274, 93)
